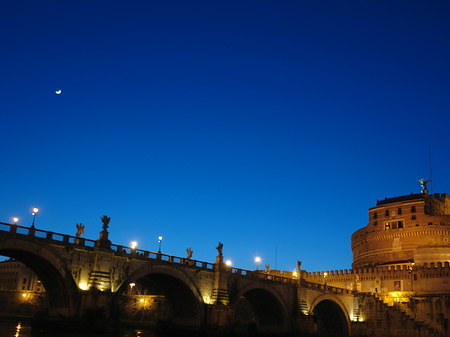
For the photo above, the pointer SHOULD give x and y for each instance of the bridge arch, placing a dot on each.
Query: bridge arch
(261, 304)
(183, 296)
(61, 290)
(331, 316)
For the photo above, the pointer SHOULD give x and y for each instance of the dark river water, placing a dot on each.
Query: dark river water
(22, 328)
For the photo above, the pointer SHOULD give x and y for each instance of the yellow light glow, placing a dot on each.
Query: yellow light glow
(35, 209)
(295, 274)
(228, 263)
(132, 285)
(325, 274)
(83, 286)
(24, 295)
(18, 327)
(16, 219)
(257, 259)
(206, 299)
(142, 300)
(133, 244)
(160, 238)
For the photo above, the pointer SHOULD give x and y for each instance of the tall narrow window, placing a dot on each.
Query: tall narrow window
(399, 210)
(386, 213)
(375, 215)
(413, 209)
(400, 224)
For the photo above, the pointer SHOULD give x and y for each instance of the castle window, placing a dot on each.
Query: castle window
(375, 215)
(375, 223)
(400, 224)
(386, 213)
(430, 223)
(413, 217)
(399, 210)
(394, 225)
(413, 209)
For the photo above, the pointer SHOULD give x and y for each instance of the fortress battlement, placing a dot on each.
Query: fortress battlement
(382, 270)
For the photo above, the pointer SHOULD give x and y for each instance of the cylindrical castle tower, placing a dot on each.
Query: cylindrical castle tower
(411, 228)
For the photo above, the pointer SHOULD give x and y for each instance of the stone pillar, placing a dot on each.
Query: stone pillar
(220, 288)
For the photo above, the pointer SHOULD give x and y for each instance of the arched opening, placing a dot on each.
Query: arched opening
(33, 284)
(330, 319)
(261, 309)
(160, 299)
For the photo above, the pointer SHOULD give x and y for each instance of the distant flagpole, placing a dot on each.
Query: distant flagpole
(431, 173)
(276, 257)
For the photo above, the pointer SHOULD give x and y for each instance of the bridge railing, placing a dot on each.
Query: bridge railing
(261, 275)
(46, 235)
(146, 254)
(118, 249)
(134, 252)
(326, 288)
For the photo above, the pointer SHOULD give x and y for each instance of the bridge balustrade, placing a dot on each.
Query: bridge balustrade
(135, 253)
(46, 235)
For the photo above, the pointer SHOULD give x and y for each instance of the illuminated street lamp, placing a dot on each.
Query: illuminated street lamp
(325, 278)
(228, 263)
(16, 220)
(257, 261)
(160, 240)
(133, 244)
(35, 210)
(131, 287)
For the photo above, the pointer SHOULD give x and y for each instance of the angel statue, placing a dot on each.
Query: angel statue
(80, 230)
(219, 248)
(423, 184)
(105, 221)
(189, 252)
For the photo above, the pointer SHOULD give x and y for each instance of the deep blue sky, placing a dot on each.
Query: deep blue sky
(266, 125)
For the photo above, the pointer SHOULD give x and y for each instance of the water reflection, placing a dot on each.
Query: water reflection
(24, 329)
(18, 330)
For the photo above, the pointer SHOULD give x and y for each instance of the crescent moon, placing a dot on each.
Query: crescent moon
(58, 92)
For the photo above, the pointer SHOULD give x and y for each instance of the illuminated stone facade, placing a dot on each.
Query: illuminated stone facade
(14, 275)
(412, 228)
(402, 258)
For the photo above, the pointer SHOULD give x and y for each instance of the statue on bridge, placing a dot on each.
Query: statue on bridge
(268, 268)
(103, 240)
(105, 221)
(299, 264)
(189, 252)
(219, 248)
(80, 230)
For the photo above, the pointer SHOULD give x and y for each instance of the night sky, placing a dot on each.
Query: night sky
(271, 126)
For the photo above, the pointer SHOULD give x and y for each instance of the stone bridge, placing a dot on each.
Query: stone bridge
(81, 275)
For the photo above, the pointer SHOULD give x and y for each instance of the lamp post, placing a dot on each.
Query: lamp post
(16, 220)
(228, 263)
(257, 261)
(35, 210)
(160, 240)
(133, 244)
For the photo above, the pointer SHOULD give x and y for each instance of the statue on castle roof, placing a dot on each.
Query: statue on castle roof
(423, 184)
